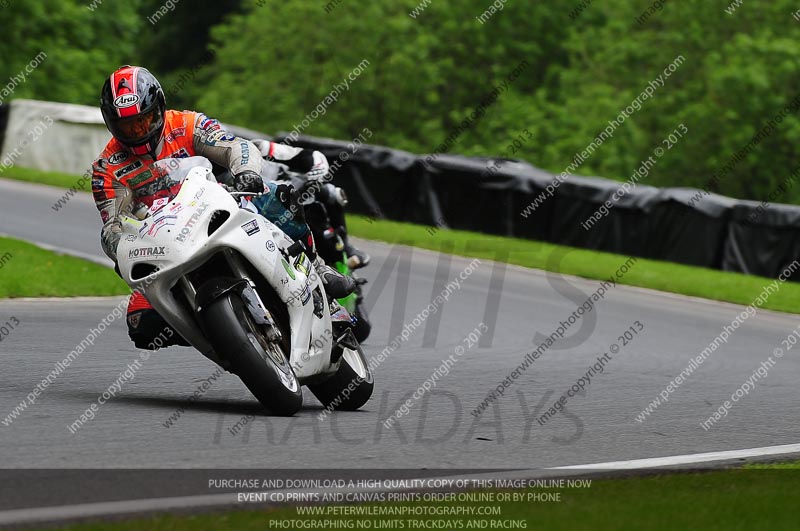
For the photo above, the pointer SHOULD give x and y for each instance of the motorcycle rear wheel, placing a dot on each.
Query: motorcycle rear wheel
(350, 387)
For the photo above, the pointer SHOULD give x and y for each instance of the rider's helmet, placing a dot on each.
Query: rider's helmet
(133, 107)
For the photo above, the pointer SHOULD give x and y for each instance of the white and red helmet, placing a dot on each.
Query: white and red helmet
(133, 107)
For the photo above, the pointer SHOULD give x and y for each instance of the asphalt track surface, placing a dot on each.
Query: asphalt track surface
(439, 432)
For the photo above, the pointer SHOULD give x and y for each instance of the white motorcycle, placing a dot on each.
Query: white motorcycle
(240, 291)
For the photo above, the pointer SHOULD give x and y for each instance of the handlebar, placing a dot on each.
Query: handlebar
(246, 194)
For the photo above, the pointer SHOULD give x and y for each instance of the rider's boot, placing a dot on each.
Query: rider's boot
(356, 258)
(337, 286)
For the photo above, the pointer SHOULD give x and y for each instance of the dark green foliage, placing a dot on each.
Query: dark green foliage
(82, 46)
(276, 61)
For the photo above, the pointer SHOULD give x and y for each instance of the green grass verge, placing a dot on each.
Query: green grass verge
(721, 500)
(791, 465)
(61, 180)
(653, 274)
(29, 271)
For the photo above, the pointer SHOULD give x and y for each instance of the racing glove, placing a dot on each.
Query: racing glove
(320, 168)
(248, 181)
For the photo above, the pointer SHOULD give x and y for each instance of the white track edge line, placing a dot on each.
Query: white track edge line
(98, 509)
(688, 459)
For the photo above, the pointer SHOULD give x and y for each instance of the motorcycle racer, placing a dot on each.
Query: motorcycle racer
(314, 168)
(143, 130)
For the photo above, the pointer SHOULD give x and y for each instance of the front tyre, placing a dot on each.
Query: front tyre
(261, 364)
(351, 386)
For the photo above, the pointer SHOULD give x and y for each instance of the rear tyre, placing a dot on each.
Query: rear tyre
(352, 385)
(262, 365)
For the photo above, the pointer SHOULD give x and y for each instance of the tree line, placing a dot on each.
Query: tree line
(266, 65)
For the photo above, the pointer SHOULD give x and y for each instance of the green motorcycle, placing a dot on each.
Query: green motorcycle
(331, 247)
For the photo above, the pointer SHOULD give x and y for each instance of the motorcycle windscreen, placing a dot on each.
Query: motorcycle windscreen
(160, 182)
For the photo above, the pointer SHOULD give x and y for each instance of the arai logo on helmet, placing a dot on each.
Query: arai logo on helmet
(126, 100)
(118, 158)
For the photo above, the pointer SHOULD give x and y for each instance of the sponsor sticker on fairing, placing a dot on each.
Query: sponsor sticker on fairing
(288, 268)
(147, 252)
(163, 221)
(189, 227)
(158, 204)
(251, 227)
(301, 263)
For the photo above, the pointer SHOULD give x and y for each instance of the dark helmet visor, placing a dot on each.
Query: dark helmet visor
(139, 129)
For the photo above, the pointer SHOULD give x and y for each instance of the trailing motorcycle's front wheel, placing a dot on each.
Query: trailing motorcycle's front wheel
(363, 326)
(261, 364)
(354, 303)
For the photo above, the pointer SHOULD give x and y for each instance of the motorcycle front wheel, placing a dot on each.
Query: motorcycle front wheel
(262, 365)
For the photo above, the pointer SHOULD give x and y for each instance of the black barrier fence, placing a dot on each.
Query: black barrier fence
(495, 196)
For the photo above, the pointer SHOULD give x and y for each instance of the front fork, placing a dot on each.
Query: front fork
(252, 300)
